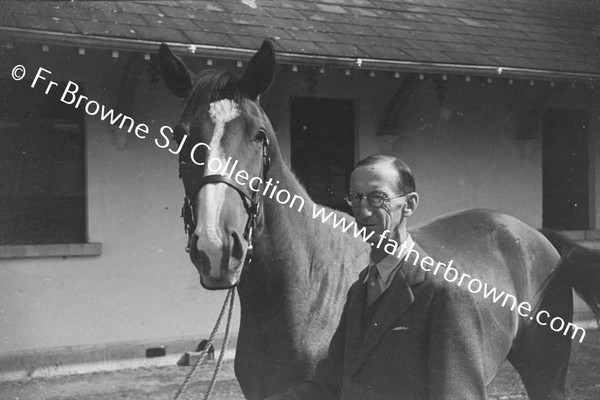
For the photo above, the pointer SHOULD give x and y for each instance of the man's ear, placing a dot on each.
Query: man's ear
(412, 202)
(259, 72)
(177, 76)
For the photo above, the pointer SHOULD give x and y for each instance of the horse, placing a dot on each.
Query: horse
(292, 271)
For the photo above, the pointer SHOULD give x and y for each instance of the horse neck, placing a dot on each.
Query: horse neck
(293, 250)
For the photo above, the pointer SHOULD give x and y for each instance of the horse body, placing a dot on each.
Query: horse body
(293, 291)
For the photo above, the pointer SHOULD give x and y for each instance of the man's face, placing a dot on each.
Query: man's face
(381, 177)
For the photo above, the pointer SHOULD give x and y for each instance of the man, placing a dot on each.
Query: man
(404, 333)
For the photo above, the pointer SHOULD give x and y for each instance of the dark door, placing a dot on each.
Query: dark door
(323, 147)
(565, 170)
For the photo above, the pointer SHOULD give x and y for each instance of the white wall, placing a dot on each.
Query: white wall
(143, 285)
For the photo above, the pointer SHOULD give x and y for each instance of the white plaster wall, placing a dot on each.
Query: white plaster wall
(143, 286)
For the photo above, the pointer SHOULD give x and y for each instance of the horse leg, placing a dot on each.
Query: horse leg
(540, 355)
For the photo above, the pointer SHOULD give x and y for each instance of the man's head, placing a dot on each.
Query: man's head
(387, 181)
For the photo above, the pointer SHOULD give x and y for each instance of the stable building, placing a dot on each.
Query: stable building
(492, 105)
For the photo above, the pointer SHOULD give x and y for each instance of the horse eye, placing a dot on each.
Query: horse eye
(261, 135)
(179, 132)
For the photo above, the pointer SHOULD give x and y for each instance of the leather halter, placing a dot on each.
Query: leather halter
(250, 198)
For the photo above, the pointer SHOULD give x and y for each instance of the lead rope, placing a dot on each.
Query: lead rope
(229, 300)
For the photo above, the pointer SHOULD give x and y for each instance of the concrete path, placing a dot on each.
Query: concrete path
(161, 383)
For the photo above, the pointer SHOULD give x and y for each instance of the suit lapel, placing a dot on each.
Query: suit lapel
(398, 298)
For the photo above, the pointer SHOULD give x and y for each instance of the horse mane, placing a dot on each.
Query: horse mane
(213, 85)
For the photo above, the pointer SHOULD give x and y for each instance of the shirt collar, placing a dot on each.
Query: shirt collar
(389, 264)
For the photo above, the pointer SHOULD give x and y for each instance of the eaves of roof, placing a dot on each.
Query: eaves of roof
(292, 58)
(529, 39)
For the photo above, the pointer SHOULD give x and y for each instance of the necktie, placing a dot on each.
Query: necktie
(373, 288)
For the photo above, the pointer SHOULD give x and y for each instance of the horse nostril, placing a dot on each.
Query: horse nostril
(237, 250)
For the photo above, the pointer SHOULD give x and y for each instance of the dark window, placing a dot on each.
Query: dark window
(42, 167)
(323, 147)
(565, 170)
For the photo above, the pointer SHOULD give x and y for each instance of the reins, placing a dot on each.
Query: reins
(253, 209)
(229, 300)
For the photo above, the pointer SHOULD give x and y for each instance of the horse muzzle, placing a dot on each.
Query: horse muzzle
(219, 266)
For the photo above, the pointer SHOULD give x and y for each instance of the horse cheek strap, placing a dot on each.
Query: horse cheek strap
(253, 210)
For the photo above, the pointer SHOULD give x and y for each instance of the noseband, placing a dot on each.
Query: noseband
(250, 199)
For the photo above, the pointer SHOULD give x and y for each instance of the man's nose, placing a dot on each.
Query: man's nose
(363, 209)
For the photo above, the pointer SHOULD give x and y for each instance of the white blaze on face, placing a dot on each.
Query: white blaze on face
(212, 196)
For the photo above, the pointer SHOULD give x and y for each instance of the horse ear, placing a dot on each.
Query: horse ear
(259, 73)
(177, 76)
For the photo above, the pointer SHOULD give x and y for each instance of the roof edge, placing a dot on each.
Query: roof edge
(234, 53)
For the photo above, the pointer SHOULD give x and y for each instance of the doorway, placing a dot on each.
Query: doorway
(322, 148)
(565, 170)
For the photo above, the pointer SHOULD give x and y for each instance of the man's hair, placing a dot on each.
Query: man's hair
(406, 180)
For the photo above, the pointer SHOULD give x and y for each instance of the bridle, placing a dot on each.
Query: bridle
(250, 199)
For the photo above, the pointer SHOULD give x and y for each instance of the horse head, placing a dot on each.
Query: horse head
(223, 136)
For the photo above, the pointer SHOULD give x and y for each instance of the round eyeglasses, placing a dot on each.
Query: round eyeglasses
(375, 199)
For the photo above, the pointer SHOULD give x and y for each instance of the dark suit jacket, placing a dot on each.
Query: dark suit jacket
(426, 342)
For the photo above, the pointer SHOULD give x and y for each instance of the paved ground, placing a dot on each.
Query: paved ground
(161, 383)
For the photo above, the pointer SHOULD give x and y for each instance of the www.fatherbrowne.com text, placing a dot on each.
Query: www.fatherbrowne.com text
(269, 189)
